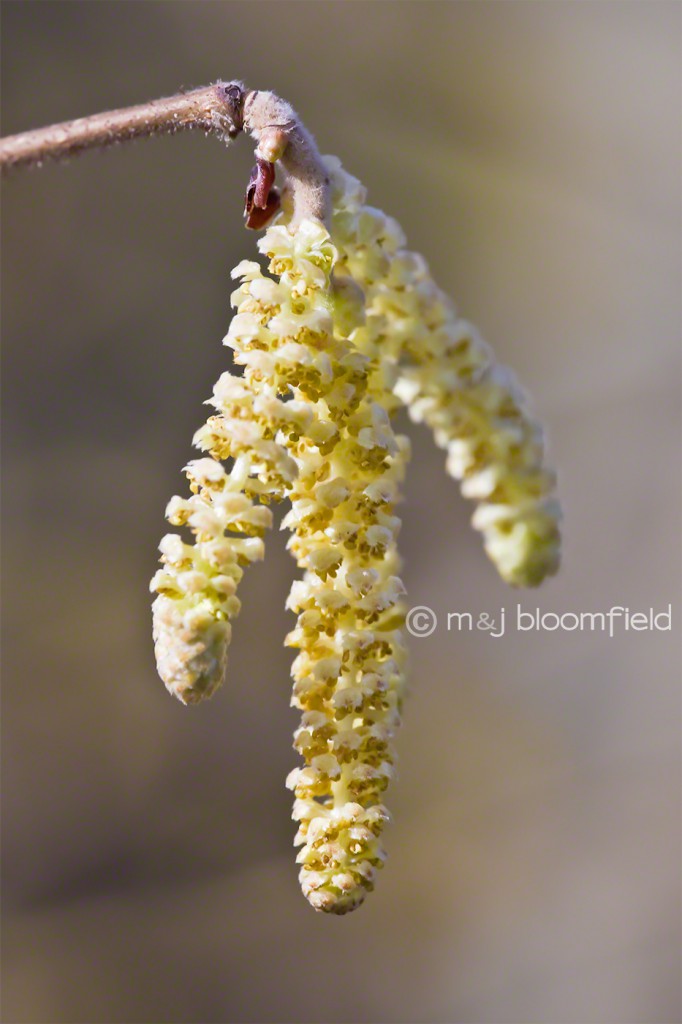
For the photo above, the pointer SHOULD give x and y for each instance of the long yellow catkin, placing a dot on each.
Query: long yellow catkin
(348, 675)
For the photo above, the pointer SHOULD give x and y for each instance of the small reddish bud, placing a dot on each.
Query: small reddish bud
(262, 199)
(263, 178)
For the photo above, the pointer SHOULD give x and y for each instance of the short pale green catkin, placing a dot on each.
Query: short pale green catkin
(226, 514)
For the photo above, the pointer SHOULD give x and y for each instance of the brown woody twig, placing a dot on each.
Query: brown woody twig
(215, 109)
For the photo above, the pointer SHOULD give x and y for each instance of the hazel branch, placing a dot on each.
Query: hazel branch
(215, 109)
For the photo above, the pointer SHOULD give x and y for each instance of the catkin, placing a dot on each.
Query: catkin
(344, 328)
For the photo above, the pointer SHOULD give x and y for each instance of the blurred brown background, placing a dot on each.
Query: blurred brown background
(532, 152)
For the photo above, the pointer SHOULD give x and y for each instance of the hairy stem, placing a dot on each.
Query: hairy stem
(215, 109)
(224, 109)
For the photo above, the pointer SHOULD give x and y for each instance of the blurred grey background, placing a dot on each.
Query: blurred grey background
(532, 152)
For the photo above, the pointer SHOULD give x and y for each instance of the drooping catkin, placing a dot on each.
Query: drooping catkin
(447, 376)
(226, 513)
(349, 673)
